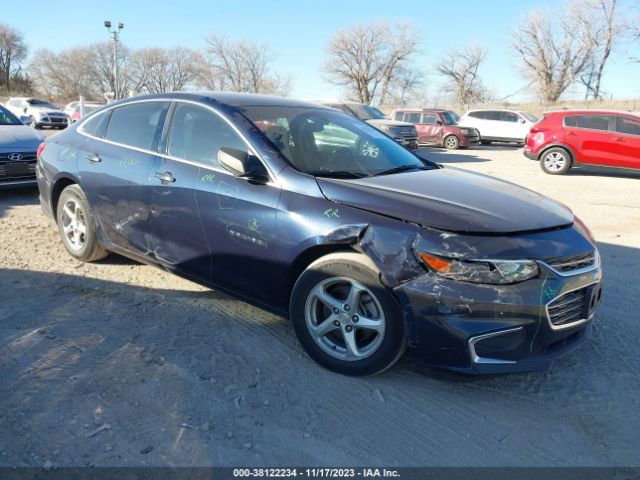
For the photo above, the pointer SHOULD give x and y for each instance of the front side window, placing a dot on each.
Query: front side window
(136, 124)
(324, 142)
(197, 134)
(509, 117)
(592, 122)
(450, 118)
(430, 118)
(628, 125)
(530, 117)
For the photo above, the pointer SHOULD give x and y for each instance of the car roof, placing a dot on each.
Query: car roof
(232, 99)
(578, 111)
(422, 110)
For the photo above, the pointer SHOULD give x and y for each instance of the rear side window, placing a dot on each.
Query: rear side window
(96, 125)
(592, 122)
(628, 125)
(412, 117)
(477, 115)
(197, 134)
(493, 115)
(136, 124)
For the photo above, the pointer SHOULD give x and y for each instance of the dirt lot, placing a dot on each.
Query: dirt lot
(117, 363)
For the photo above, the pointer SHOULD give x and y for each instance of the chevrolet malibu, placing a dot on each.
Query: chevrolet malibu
(313, 214)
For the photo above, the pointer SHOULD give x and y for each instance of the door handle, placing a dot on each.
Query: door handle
(166, 177)
(93, 158)
(570, 134)
(619, 139)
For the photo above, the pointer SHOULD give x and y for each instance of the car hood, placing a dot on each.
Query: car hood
(390, 123)
(18, 137)
(450, 199)
(45, 110)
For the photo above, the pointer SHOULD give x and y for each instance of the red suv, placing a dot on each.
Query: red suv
(439, 127)
(563, 139)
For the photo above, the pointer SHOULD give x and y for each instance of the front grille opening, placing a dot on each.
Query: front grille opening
(572, 262)
(568, 308)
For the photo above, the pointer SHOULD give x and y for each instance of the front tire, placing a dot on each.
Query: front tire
(345, 319)
(77, 226)
(555, 161)
(451, 142)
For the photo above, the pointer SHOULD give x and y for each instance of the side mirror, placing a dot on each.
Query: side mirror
(438, 122)
(522, 120)
(24, 109)
(243, 164)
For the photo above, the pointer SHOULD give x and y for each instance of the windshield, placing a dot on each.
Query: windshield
(450, 118)
(528, 116)
(324, 142)
(365, 112)
(40, 103)
(8, 118)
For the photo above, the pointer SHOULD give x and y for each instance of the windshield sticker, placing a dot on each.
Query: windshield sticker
(208, 178)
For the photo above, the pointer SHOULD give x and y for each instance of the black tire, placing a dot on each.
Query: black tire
(451, 142)
(33, 123)
(355, 267)
(555, 161)
(87, 249)
(485, 142)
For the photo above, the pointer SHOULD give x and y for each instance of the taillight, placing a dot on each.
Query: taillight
(40, 150)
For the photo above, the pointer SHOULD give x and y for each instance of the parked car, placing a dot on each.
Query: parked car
(402, 132)
(511, 126)
(40, 112)
(75, 114)
(567, 138)
(438, 127)
(18, 148)
(365, 246)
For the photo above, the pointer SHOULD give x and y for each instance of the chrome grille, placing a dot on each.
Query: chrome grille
(573, 262)
(568, 308)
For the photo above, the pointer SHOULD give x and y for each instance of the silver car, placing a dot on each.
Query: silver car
(40, 113)
(18, 151)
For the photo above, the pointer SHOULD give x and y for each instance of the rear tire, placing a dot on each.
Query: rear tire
(77, 226)
(485, 142)
(345, 319)
(451, 142)
(555, 161)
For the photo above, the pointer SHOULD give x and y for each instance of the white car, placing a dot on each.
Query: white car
(40, 113)
(498, 125)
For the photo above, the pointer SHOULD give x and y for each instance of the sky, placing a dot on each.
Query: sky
(299, 31)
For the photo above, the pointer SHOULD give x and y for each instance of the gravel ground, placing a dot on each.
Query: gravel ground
(117, 363)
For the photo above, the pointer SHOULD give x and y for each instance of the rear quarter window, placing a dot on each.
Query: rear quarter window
(96, 125)
(136, 124)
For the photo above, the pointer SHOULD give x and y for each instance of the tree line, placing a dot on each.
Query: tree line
(373, 63)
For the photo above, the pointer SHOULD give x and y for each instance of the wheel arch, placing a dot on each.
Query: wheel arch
(59, 185)
(572, 155)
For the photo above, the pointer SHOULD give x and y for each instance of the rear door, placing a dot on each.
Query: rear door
(432, 127)
(114, 168)
(626, 142)
(590, 136)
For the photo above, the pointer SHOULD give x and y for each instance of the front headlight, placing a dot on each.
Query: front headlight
(468, 131)
(494, 272)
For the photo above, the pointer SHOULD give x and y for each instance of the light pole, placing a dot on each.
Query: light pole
(115, 32)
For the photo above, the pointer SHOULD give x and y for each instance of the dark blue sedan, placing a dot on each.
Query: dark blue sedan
(316, 215)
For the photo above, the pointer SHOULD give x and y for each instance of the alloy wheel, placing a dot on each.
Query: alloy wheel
(345, 318)
(554, 161)
(74, 225)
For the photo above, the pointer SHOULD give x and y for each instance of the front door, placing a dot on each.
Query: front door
(236, 216)
(432, 128)
(626, 142)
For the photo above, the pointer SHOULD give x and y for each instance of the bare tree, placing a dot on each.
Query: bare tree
(240, 66)
(554, 50)
(600, 20)
(13, 51)
(460, 66)
(158, 70)
(367, 57)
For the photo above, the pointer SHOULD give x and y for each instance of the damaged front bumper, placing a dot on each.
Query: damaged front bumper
(477, 328)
